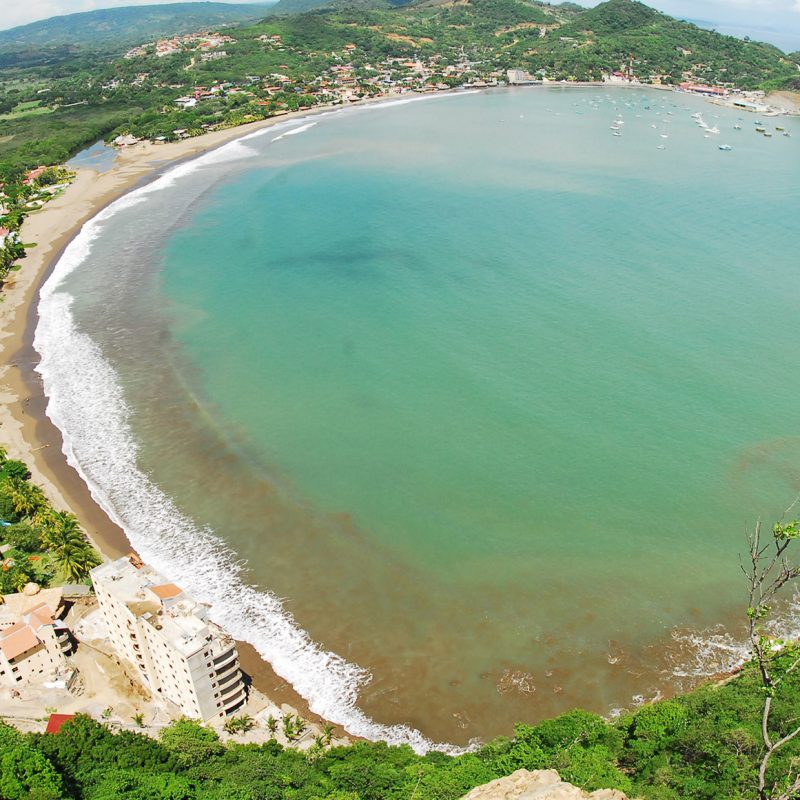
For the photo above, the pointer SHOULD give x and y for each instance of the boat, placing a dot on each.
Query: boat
(737, 127)
(725, 147)
(665, 136)
(616, 133)
(662, 147)
(779, 128)
(786, 133)
(767, 135)
(615, 127)
(761, 130)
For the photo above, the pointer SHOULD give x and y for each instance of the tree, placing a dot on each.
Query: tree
(26, 498)
(190, 742)
(25, 774)
(768, 572)
(71, 551)
(241, 724)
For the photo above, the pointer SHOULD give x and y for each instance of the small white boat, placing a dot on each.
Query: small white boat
(737, 127)
(662, 147)
(665, 136)
(616, 133)
(725, 147)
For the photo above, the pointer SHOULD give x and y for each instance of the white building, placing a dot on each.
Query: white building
(167, 636)
(34, 643)
(516, 77)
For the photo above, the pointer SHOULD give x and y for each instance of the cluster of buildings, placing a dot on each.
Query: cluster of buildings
(342, 82)
(204, 43)
(163, 638)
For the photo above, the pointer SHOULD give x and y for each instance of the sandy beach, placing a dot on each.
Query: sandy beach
(25, 430)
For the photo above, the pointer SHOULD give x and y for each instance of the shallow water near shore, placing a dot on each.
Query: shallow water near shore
(486, 395)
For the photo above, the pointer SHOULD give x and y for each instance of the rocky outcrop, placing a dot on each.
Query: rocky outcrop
(539, 785)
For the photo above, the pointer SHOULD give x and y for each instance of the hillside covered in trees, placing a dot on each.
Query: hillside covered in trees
(705, 746)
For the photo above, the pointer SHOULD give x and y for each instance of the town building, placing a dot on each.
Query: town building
(518, 77)
(699, 88)
(166, 635)
(34, 642)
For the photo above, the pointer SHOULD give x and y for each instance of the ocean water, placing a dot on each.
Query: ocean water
(458, 409)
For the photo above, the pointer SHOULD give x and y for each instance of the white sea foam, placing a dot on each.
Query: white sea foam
(86, 402)
(294, 131)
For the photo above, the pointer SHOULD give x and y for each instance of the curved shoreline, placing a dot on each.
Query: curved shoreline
(25, 429)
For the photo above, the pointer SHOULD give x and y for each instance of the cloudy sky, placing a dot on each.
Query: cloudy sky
(771, 20)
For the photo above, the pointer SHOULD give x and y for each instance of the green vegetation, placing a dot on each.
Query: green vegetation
(44, 545)
(17, 200)
(705, 745)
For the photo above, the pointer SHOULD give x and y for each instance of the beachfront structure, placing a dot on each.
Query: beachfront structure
(518, 77)
(34, 642)
(167, 636)
(702, 89)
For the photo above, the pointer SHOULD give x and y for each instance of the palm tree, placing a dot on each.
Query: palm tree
(26, 498)
(57, 524)
(272, 724)
(71, 552)
(327, 732)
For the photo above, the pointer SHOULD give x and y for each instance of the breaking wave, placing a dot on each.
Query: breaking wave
(86, 403)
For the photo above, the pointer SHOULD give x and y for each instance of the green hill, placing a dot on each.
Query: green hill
(127, 25)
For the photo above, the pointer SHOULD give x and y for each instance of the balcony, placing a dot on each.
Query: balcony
(225, 658)
(233, 686)
(224, 683)
(222, 674)
(235, 700)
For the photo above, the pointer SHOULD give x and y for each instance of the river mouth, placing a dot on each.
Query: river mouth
(466, 392)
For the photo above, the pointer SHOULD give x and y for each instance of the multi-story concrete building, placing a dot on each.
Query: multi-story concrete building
(34, 643)
(167, 636)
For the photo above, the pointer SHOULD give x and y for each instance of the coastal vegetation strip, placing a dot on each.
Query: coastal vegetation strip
(38, 544)
(22, 193)
(705, 745)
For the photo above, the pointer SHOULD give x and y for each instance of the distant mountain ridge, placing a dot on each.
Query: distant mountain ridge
(128, 24)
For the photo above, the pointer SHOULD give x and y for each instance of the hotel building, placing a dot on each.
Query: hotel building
(166, 635)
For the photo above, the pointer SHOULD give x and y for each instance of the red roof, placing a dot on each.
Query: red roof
(56, 721)
(21, 641)
(166, 591)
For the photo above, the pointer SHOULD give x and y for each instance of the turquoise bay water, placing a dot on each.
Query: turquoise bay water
(487, 394)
